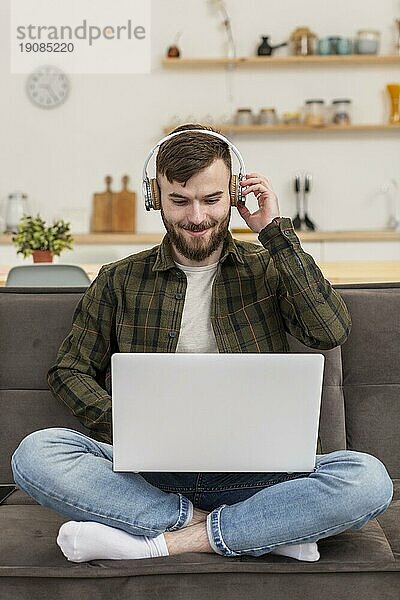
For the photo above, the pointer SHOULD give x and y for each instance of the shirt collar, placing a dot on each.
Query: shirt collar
(164, 260)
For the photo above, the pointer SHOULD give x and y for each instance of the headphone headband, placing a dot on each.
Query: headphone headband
(146, 187)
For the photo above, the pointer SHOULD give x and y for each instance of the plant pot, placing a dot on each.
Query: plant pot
(40, 256)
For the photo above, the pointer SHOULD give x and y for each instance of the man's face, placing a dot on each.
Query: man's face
(196, 215)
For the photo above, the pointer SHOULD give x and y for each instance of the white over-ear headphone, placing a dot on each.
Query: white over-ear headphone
(150, 187)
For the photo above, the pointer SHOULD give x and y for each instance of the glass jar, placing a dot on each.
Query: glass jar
(341, 111)
(244, 116)
(17, 207)
(314, 113)
(367, 41)
(267, 116)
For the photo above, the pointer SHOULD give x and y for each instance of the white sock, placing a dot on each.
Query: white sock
(307, 551)
(81, 541)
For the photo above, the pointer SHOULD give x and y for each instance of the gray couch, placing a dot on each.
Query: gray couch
(360, 411)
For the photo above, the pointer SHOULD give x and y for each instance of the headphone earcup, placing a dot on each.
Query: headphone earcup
(155, 194)
(233, 189)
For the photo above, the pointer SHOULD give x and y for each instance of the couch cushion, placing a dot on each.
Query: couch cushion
(44, 318)
(29, 555)
(24, 411)
(371, 379)
(29, 534)
(332, 427)
(19, 497)
(396, 486)
(390, 522)
(29, 349)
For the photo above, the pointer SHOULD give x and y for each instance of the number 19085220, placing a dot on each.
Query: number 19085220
(46, 47)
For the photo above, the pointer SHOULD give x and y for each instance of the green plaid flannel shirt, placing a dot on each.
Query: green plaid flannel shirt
(260, 292)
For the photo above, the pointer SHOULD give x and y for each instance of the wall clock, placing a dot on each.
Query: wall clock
(47, 87)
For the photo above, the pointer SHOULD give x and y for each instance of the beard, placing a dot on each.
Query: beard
(197, 249)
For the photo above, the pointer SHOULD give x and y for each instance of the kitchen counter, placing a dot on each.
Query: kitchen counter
(335, 272)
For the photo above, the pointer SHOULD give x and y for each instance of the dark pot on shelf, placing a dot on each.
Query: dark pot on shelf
(173, 52)
(265, 48)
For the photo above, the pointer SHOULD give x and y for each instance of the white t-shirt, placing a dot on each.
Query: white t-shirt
(196, 334)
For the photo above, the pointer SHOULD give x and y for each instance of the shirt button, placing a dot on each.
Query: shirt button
(172, 334)
(178, 296)
(287, 233)
(178, 274)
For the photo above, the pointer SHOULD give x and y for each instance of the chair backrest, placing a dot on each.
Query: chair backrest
(48, 275)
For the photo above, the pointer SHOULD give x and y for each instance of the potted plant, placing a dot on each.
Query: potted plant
(33, 237)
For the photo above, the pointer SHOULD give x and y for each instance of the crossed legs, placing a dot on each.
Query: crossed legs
(72, 474)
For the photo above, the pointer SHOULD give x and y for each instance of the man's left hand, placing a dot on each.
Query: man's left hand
(268, 207)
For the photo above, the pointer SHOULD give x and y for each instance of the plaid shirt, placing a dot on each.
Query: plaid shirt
(260, 292)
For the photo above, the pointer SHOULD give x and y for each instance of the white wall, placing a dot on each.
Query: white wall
(60, 157)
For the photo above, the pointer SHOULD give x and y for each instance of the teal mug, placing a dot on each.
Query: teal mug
(344, 45)
(324, 46)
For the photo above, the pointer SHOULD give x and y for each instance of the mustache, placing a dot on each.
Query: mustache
(201, 227)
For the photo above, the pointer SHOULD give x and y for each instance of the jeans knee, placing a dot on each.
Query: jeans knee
(372, 482)
(32, 449)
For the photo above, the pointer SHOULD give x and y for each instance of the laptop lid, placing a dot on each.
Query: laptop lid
(215, 412)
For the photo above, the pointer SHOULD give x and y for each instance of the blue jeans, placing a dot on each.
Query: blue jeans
(251, 513)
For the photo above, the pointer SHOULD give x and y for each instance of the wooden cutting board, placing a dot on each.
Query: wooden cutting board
(114, 211)
(124, 209)
(102, 209)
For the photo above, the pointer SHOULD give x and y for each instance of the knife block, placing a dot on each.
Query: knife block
(114, 212)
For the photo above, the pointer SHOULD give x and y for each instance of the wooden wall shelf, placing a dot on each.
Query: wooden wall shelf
(379, 235)
(227, 128)
(281, 61)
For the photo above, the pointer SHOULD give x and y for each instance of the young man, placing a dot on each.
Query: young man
(198, 291)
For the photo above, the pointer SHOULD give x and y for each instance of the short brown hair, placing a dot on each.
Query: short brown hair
(185, 155)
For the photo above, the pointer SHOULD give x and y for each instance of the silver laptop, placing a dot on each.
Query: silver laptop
(215, 412)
